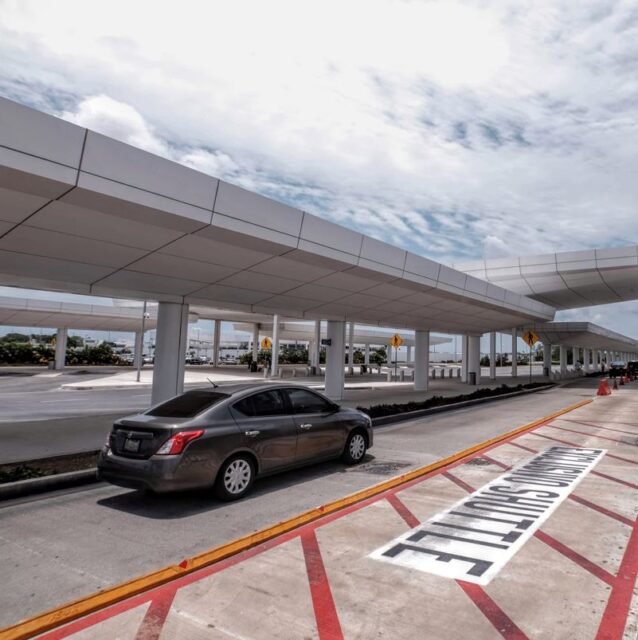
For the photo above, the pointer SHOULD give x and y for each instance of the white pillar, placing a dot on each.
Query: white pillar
(586, 359)
(547, 357)
(474, 358)
(170, 351)
(492, 355)
(421, 360)
(217, 332)
(335, 373)
(351, 343)
(60, 347)
(514, 352)
(410, 353)
(137, 349)
(255, 343)
(563, 359)
(464, 355)
(366, 355)
(274, 362)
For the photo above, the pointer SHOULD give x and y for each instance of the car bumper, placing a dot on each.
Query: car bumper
(158, 473)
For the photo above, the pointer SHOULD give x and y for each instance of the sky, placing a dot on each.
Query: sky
(458, 130)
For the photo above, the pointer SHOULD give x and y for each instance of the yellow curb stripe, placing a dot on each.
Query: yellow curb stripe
(102, 599)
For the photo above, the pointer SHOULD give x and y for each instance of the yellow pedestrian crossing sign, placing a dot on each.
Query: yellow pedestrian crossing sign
(266, 343)
(396, 341)
(530, 338)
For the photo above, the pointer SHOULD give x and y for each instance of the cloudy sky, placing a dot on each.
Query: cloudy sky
(456, 130)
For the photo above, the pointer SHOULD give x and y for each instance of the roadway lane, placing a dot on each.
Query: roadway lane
(118, 534)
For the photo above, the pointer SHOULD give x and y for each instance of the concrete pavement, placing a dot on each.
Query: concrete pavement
(572, 577)
(118, 534)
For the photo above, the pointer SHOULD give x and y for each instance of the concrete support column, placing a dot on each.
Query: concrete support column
(335, 372)
(170, 351)
(421, 360)
(464, 357)
(217, 332)
(255, 341)
(492, 355)
(409, 356)
(514, 352)
(138, 348)
(474, 358)
(60, 347)
(274, 362)
(350, 343)
(586, 359)
(366, 355)
(547, 357)
(563, 359)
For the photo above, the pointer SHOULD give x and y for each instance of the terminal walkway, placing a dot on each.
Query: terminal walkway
(569, 573)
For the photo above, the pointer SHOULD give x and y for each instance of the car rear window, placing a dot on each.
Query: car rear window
(188, 405)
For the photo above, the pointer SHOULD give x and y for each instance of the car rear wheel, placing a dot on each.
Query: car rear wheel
(235, 478)
(355, 449)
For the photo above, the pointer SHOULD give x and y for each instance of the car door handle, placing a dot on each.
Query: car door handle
(252, 434)
(306, 426)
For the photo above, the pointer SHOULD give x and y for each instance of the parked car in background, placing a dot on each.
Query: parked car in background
(617, 368)
(224, 437)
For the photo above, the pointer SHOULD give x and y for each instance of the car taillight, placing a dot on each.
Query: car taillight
(175, 444)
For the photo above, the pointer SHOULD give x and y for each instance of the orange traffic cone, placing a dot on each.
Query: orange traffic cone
(603, 388)
(622, 380)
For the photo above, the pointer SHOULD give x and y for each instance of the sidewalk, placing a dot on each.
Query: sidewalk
(570, 574)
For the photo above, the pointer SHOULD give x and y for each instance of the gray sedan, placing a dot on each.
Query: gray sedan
(225, 437)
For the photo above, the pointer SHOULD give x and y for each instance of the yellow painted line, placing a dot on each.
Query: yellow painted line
(102, 599)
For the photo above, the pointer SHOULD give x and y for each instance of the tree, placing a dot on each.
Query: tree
(15, 337)
(75, 342)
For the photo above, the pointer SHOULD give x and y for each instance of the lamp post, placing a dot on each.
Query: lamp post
(141, 359)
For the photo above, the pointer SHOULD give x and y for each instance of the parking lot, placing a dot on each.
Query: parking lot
(574, 576)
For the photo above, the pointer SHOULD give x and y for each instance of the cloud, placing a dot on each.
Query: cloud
(457, 130)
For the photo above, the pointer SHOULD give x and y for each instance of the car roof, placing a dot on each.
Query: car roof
(237, 388)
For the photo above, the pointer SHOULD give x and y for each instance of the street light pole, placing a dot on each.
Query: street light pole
(141, 358)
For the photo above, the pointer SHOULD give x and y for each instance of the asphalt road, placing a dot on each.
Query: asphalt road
(117, 534)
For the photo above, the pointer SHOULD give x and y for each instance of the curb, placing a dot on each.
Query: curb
(64, 614)
(409, 415)
(53, 482)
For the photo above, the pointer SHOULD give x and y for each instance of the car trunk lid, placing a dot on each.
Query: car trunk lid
(141, 436)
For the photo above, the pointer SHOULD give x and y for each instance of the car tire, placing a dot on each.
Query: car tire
(235, 478)
(356, 446)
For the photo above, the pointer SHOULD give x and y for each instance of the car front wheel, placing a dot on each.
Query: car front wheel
(355, 448)
(235, 478)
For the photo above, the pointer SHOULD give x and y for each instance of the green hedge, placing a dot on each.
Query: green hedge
(381, 410)
(25, 353)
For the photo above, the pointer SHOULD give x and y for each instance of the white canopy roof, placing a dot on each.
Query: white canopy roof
(83, 213)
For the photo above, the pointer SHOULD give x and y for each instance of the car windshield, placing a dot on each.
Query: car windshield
(188, 405)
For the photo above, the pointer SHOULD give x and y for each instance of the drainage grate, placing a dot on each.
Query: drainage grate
(479, 462)
(379, 468)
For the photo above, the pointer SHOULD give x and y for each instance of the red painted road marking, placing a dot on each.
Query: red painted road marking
(411, 520)
(459, 482)
(588, 435)
(612, 625)
(498, 463)
(156, 614)
(580, 446)
(499, 619)
(326, 616)
(614, 479)
(597, 507)
(568, 552)
(598, 426)
(520, 446)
